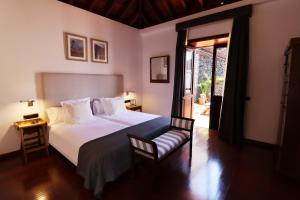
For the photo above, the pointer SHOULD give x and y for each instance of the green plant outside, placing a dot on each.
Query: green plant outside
(205, 86)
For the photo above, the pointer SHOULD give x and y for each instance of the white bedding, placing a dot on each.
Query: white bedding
(68, 138)
(129, 117)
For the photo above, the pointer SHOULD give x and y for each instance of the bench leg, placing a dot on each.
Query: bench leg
(133, 166)
(155, 177)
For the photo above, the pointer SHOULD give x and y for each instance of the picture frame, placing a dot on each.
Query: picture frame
(99, 51)
(159, 69)
(75, 47)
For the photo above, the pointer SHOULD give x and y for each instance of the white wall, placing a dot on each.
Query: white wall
(272, 24)
(32, 41)
(157, 97)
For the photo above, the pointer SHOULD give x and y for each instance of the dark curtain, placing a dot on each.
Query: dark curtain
(232, 116)
(179, 79)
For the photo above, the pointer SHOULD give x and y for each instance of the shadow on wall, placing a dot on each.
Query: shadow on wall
(8, 141)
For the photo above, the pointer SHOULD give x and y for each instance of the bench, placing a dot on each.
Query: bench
(157, 149)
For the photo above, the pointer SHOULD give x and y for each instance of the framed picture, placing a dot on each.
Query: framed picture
(159, 69)
(75, 47)
(99, 51)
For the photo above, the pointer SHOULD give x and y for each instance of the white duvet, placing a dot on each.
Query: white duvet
(68, 138)
(129, 117)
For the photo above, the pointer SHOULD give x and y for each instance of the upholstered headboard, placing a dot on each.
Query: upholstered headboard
(56, 87)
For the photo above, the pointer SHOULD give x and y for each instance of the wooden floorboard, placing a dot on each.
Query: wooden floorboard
(217, 171)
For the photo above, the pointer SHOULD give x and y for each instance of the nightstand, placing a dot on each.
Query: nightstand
(134, 107)
(34, 135)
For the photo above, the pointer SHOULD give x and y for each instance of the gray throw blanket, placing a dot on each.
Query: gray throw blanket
(104, 159)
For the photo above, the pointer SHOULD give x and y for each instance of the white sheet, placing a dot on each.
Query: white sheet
(68, 138)
(129, 117)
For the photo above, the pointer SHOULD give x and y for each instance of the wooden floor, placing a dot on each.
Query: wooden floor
(218, 171)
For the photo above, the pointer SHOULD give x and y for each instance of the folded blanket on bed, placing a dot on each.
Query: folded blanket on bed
(104, 159)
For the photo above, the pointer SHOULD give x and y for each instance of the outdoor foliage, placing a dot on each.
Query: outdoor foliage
(205, 85)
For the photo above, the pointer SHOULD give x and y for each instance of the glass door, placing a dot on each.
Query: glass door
(189, 74)
(218, 84)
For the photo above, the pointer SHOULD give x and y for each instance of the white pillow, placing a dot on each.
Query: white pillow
(107, 107)
(97, 106)
(78, 112)
(75, 101)
(55, 115)
(118, 105)
(113, 105)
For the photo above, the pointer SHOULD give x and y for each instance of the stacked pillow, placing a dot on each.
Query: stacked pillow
(109, 106)
(55, 115)
(72, 111)
(97, 107)
(79, 110)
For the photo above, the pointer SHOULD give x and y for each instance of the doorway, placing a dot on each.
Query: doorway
(206, 61)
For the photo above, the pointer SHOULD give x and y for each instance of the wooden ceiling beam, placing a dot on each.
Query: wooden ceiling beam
(194, 5)
(200, 2)
(143, 13)
(183, 4)
(167, 8)
(171, 8)
(156, 9)
(107, 9)
(134, 19)
(145, 20)
(92, 5)
(127, 10)
(153, 10)
(203, 3)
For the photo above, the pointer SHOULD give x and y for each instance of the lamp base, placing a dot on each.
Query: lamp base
(31, 116)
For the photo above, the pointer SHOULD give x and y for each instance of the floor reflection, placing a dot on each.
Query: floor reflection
(205, 171)
(204, 182)
(217, 171)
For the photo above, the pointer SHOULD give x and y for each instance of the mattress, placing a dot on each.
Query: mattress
(129, 117)
(68, 138)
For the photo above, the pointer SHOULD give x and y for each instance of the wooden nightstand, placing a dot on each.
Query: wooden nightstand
(34, 135)
(134, 107)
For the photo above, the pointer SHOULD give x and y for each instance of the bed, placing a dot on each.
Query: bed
(98, 148)
(68, 138)
(129, 117)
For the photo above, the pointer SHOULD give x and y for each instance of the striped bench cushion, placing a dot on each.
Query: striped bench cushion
(170, 140)
(182, 123)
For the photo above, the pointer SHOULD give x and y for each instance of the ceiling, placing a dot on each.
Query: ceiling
(144, 13)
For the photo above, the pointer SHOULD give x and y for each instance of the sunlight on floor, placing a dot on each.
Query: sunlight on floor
(201, 115)
(205, 171)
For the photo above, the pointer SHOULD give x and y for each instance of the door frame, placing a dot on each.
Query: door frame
(191, 46)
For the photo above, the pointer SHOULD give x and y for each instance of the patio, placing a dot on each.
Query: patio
(201, 115)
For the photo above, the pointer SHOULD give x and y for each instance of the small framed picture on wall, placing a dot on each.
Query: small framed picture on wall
(99, 51)
(75, 47)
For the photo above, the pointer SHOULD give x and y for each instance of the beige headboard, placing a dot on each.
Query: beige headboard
(56, 87)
